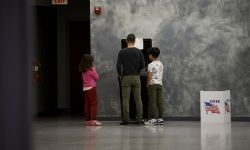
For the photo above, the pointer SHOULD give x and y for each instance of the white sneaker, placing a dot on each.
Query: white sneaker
(151, 122)
(94, 123)
(160, 121)
(97, 123)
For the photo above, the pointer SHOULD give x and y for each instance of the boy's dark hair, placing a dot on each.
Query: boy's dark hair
(86, 62)
(154, 51)
(131, 38)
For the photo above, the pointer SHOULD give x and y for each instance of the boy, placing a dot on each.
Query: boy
(154, 84)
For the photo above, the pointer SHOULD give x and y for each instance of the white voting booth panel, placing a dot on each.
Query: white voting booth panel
(215, 106)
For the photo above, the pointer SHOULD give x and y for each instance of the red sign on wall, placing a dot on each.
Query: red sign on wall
(59, 2)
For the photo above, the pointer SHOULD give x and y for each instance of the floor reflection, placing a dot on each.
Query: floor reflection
(74, 134)
(90, 138)
(216, 136)
(142, 138)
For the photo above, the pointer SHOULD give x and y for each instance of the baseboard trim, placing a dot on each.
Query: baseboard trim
(235, 119)
(182, 118)
(244, 119)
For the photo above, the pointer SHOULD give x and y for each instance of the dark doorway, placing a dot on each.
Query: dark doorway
(46, 54)
(79, 44)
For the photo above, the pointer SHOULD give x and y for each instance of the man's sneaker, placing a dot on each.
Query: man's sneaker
(160, 121)
(124, 122)
(139, 122)
(151, 122)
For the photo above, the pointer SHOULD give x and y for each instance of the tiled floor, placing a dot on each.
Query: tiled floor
(72, 134)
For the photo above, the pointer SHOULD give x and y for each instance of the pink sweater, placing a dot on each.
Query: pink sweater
(90, 77)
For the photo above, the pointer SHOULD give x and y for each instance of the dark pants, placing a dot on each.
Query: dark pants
(155, 101)
(131, 82)
(90, 104)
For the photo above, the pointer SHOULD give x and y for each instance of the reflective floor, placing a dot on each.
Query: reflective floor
(72, 134)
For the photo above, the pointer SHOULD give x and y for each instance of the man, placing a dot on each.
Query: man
(130, 62)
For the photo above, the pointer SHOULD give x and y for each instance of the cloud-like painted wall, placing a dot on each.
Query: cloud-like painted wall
(204, 46)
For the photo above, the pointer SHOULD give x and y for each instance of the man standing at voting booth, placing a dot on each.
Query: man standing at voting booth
(130, 62)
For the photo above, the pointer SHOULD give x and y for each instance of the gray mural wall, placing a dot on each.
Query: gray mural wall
(204, 46)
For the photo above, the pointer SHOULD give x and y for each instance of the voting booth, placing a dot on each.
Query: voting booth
(215, 106)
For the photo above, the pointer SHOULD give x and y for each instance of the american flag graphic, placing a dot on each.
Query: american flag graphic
(227, 107)
(212, 108)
